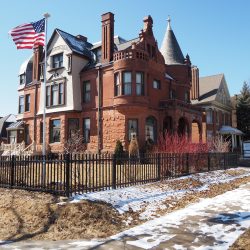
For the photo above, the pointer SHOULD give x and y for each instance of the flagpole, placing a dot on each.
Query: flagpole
(46, 15)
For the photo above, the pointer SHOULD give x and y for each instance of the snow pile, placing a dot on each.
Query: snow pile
(147, 199)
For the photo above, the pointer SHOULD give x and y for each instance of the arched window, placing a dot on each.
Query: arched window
(151, 129)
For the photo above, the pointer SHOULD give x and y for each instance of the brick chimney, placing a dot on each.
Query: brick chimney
(195, 89)
(107, 37)
(37, 55)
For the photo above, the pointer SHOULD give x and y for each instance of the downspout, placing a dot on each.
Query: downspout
(99, 123)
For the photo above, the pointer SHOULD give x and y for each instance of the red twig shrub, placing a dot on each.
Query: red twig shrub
(173, 143)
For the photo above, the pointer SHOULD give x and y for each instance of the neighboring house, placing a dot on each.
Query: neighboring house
(5, 122)
(108, 90)
(215, 99)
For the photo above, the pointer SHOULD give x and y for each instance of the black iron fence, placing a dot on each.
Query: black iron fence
(71, 174)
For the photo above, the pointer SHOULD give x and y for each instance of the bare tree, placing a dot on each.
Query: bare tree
(75, 144)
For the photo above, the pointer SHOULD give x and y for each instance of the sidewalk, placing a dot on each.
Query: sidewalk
(213, 223)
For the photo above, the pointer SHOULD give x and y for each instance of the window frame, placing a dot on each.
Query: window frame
(27, 134)
(59, 62)
(209, 116)
(52, 129)
(117, 84)
(27, 103)
(86, 130)
(60, 96)
(21, 107)
(126, 84)
(73, 130)
(22, 79)
(158, 84)
(133, 121)
(86, 92)
(140, 85)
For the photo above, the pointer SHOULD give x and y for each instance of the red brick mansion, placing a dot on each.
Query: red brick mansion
(107, 90)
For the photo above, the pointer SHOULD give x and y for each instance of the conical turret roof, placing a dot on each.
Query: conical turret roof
(170, 48)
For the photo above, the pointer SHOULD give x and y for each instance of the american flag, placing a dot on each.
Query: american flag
(27, 35)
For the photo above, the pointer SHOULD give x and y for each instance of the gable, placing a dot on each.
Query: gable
(223, 95)
(57, 44)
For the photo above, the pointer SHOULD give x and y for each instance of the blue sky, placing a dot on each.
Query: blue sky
(214, 33)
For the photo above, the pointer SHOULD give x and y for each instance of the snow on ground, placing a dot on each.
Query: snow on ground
(218, 218)
(212, 223)
(147, 199)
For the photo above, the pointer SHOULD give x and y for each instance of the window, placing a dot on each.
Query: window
(217, 117)
(139, 83)
(210, 116)
(48, 88)
(55, 130)
(86, 91)
(26, 134)
(12, 136)
(186, 97)
(41, 132)
(209, 135)
(61, 94)
(151, 129)
(57, 60)
(172, 94)
(55, 94)
(117, 84)
(127, 83)
(22, 79)
(132, 128)
(69, 63)
(73, 127)
(21, 105)
(98, 55)
(86, 130)
(156, 84)
(27, 103)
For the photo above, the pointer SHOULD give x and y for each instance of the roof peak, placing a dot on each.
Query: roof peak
(170, 48)
(169, 21)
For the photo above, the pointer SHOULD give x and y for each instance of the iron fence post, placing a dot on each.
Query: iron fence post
(225, 166)
(187, 162)
(12, 171)
(67, 174)
(208, 162)
(159, 166)
(114, 172)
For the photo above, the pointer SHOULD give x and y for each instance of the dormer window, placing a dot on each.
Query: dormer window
(57, 61)
(22, 79)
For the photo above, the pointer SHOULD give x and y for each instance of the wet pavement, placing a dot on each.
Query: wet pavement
(213, 223)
